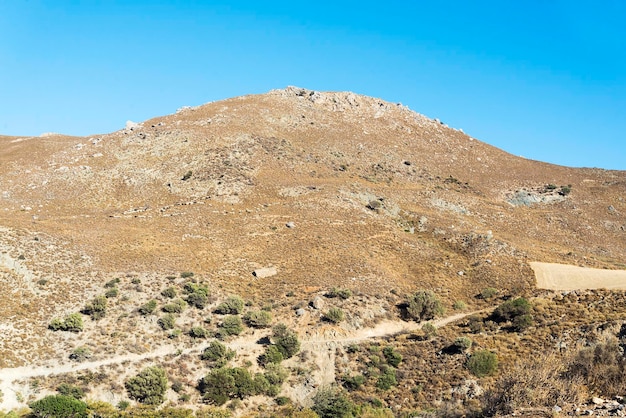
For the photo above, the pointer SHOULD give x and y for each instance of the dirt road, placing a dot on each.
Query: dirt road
(317, 344)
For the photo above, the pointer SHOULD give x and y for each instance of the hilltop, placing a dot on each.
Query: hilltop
(279, 198)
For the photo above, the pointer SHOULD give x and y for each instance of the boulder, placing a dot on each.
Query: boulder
(265, 272)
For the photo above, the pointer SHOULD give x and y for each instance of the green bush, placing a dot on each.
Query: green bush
(462, 343)
(186, 274)
(488, 293)
(149, 386)
(233, 305)
(167, 321)
(96, 309)
(271, 355)
(231, 325)
(220, 385)
(112, 283)
(387, 379)
(198, 332)
(275, 374)
(258, 319)
(111, 293)
(424, 305)
(217, 354)
(197, 295)
(429, 330)
(339, 293)
(59, 406)
(80, 354)
(518, 311)
(334, 315)
(285, 340)
(459, 305)
(176, 306)
(148, 307)
(353, 382)
(169, 293)
(72, 322)
(70, 390)
(332, 403)
(393, 357)
(482, 363)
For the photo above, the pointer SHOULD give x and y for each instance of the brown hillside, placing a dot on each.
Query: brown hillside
(380, 198)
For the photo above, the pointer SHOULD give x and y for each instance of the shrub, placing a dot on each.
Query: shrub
(96, 309)
(353, 382)
(515, 310)
(148, 386)
(332, 403)
(112, 293)
(488, 293)
(233, 305)
(220, 385)
(459, 305)
(197, 295)
(169, 293)
(217, 354)
(482, 363)
(429, 330)
(424, 305)
(475, 324)
(186, 274)
(334, 315)
(286, 340)
(275, 374)
(339, 293)
(167, 321)
(112, 283)
(462, 343)
(387, 379)
(148, 307)
(258, 319)
(176, 306)
(72, 322)
(70, 390)
(59, 406)
(198, 332)
(393, 357)
(80, 354)
(272, 355)
(231, 325)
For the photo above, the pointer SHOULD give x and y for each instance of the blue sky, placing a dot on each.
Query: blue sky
(542, 79)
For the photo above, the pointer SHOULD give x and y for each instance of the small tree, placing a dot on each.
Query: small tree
(233, 305)
(286, 340)
(59, 406)
(231, 325)
(217, 354)
(148, 386)
(258, 319)
(424, 305)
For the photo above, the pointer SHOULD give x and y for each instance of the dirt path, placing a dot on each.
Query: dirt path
(566, 277)
(323, 348)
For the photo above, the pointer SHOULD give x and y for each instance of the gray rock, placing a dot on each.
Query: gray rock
(290, 225)
(557, 409)
(318, 302)
(300, 312)
(597, 401)
(265, 272)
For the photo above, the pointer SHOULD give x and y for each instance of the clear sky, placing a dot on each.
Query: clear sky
(542, 79)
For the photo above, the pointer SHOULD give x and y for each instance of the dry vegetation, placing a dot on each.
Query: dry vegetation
(343, 206)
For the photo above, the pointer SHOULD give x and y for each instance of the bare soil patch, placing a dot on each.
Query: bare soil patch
(555, 276)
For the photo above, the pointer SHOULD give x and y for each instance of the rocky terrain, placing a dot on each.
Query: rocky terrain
(279, 198)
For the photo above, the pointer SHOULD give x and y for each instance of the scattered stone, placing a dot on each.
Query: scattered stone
(131, 126)
(557, 409)
(461, 273)
(597, 401)
(264, 272)
(318, 303)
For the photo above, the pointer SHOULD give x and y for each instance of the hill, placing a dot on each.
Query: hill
(278, 198)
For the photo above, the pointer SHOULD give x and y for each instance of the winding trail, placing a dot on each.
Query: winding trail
(316, 344)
